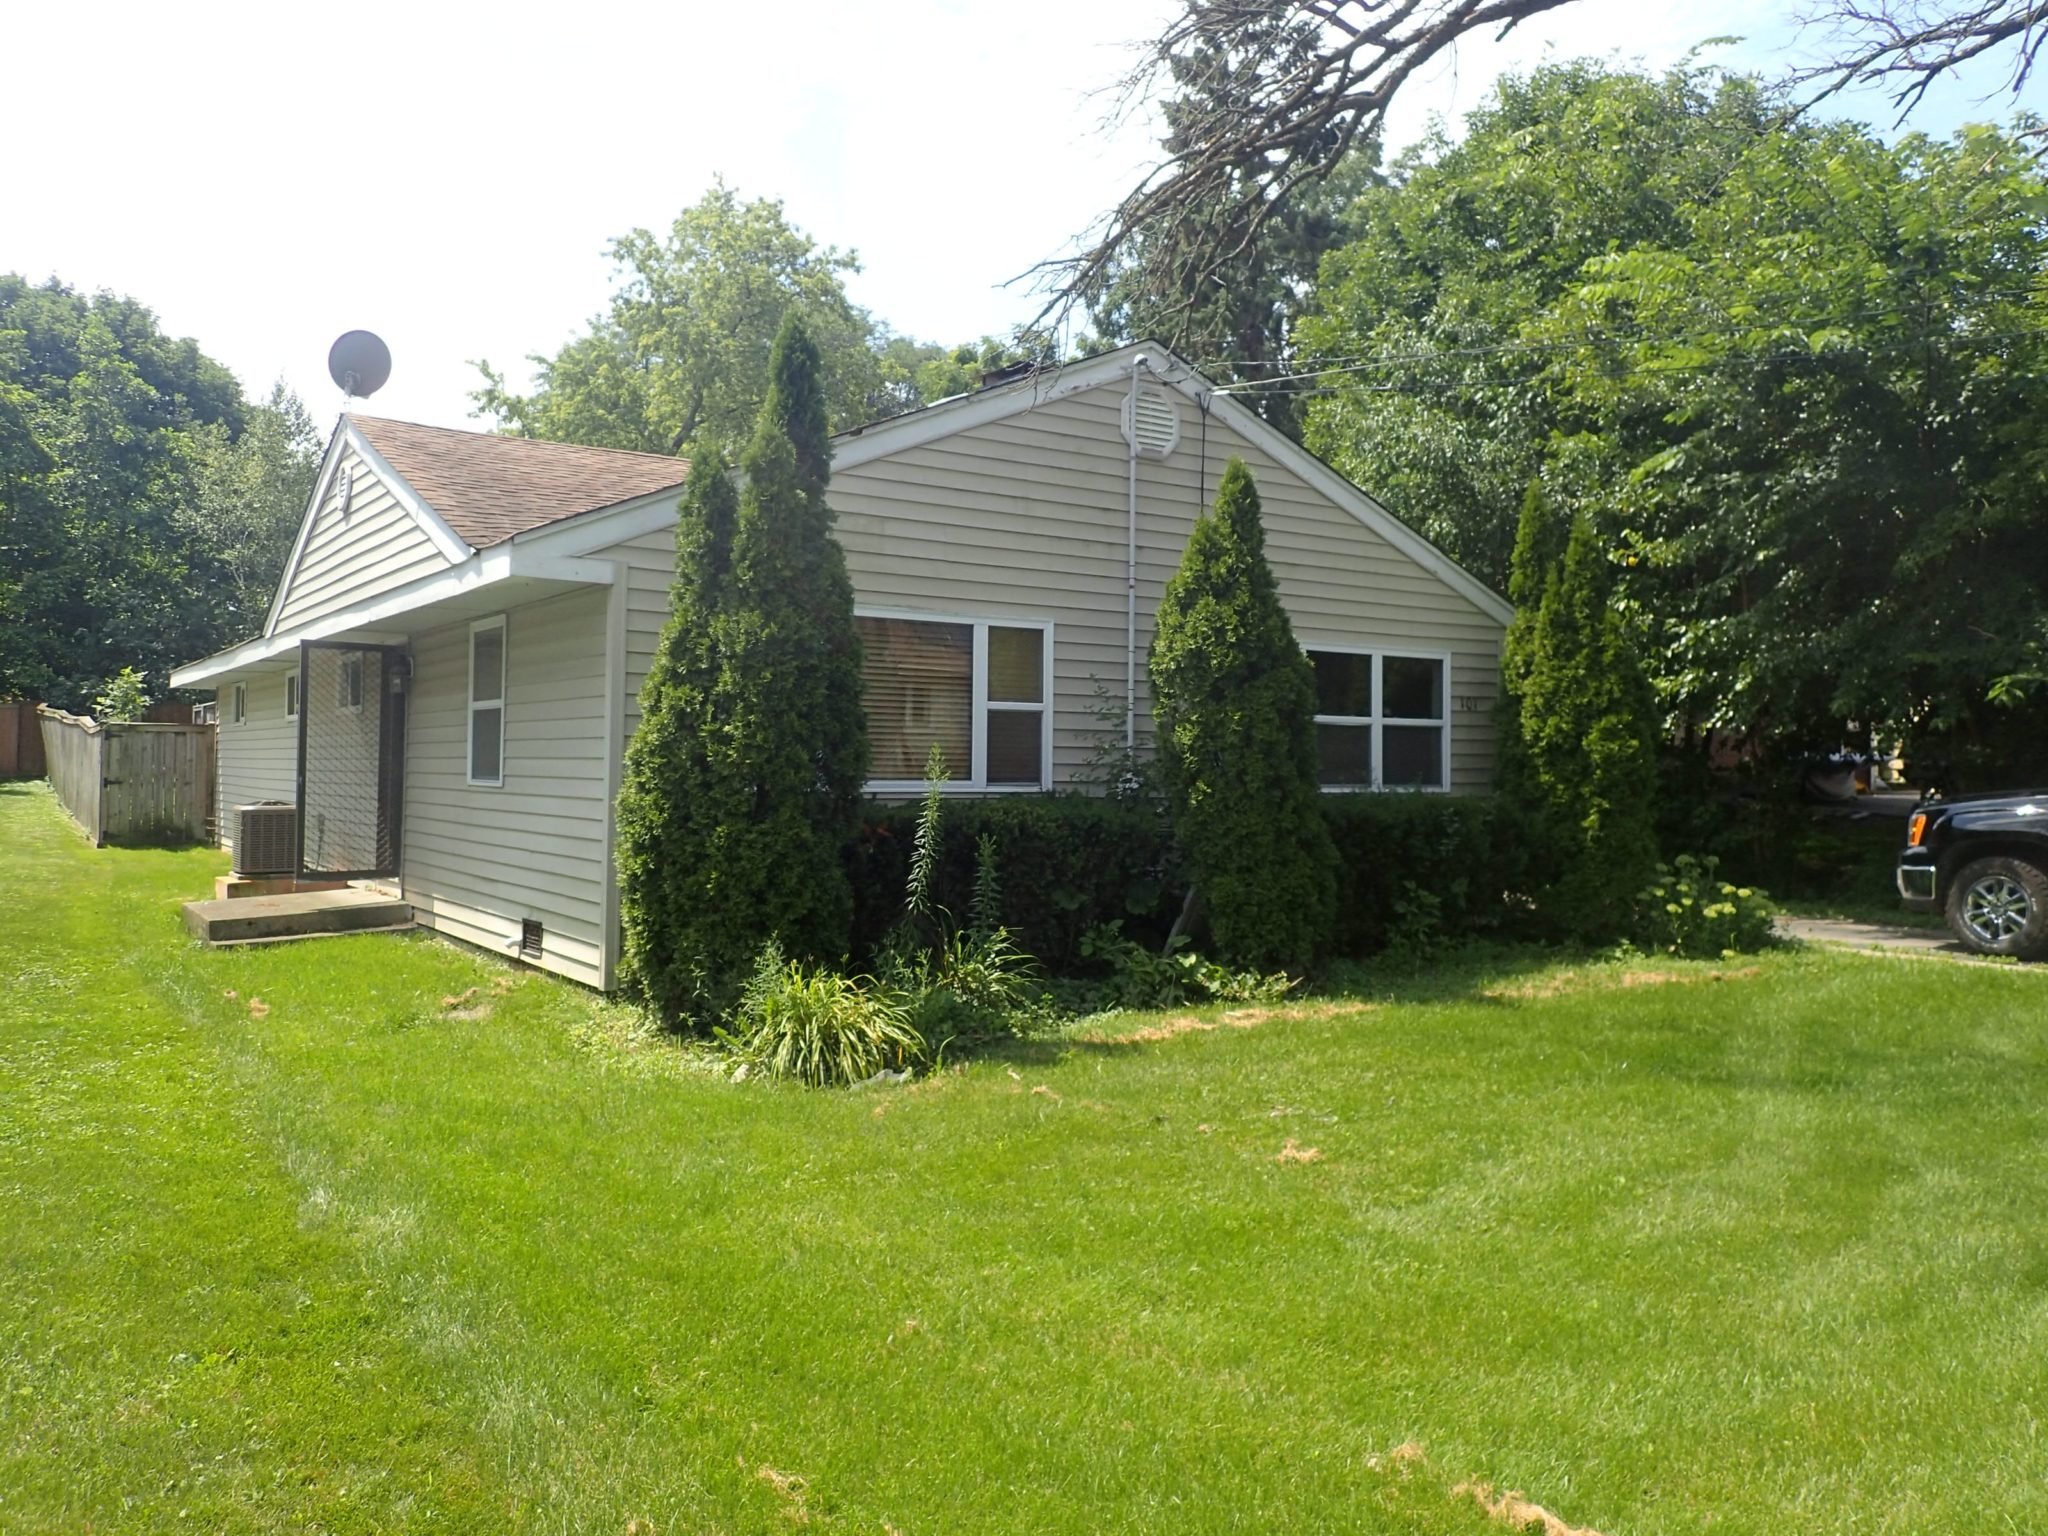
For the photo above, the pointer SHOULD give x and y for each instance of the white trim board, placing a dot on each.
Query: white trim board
(311, 515)
(451, 548)
(499, 563)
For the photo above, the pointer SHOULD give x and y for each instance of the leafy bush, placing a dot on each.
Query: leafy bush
(121, 698)
(971, 986)
(1415, 872)
(818, 1027)
(1069, 862)
(1143, 977)
(1688, 911)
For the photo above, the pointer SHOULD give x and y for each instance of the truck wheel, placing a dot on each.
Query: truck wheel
(2000, 907)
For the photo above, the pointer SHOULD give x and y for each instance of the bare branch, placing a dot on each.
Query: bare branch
(1262, 96)
(1905, 46)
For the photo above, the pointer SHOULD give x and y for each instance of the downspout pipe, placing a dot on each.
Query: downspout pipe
(1138, 365)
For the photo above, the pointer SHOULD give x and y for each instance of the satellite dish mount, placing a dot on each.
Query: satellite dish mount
(359, 363)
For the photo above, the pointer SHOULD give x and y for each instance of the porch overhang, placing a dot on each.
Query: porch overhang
(487, 582)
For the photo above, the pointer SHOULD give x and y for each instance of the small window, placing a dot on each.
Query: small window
(487, 701)
(976, 689)
(291, 696)
(238, 704)
(348, 684)
(1381, 721)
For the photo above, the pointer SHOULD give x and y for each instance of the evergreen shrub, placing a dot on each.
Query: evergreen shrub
(1234, 705)
(1068, 862)
(1424, 869)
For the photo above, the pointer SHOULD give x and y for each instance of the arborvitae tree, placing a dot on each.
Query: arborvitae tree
(1539, 551)
(788, 705)
(1588, 736)
(742, 783)
(677, 789)
(1234, 699)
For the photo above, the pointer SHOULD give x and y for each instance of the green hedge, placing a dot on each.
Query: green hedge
(1440, 867)
(1065, 863)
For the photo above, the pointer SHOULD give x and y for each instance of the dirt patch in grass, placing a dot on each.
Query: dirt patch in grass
(1565, 983)
(1518, 1513)
(1510, 1509)
(1237, 1018)
(790, 1489)
(1295, 1152)
(1245, 1018)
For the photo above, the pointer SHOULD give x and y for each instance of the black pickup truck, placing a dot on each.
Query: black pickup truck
(1984, 863)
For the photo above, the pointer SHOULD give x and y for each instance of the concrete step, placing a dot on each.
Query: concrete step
(293, 915)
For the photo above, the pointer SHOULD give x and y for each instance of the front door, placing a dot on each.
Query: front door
(351, 759)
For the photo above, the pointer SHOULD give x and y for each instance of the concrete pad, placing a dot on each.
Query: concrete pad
(226, 886)
(294, 914)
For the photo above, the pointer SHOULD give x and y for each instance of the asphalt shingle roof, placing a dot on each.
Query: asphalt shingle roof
(489, 488)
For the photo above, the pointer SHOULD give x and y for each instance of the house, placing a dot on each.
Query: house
(449, 674)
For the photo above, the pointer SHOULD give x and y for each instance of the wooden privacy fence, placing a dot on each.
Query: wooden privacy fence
(137, 783)
(21, 741)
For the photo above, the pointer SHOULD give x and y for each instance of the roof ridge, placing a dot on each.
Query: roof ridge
(502, 437)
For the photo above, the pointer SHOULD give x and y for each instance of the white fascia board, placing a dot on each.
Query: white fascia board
(455, 550)
(589, 531)
(479, 571)
(291, 566)
(1249, 424)
(978, 410)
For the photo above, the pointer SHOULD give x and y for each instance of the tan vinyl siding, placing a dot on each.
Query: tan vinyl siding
(377, 547)
(1025, 519)
(258, 759)
(478, 859)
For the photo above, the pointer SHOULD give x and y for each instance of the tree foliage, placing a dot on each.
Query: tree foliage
(1442, 408)
(742, 791)
(683, 350)
(1234, 703)
(1266, 99)
(1789, 371)
(145, 506)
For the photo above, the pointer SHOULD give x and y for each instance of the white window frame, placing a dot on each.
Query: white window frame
(495, 621)
(238, 704)
(350, 660)
(292, 701)
(982, 705)
(1379, 718)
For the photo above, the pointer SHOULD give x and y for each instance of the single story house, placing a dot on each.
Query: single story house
(450, 671)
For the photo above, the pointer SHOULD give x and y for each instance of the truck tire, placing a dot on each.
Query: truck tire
(2000, 907)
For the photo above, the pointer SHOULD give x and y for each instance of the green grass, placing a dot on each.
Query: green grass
(1748, 1249)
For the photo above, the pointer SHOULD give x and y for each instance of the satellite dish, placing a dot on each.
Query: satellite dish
(359, 363)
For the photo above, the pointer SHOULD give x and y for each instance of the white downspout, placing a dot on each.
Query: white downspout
(1131, 570)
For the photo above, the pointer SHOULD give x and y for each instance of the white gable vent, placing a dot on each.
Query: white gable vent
(1152, 421)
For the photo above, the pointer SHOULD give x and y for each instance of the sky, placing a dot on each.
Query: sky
(268, 176)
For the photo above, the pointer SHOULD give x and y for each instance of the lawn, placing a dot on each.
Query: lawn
(286, 1244)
